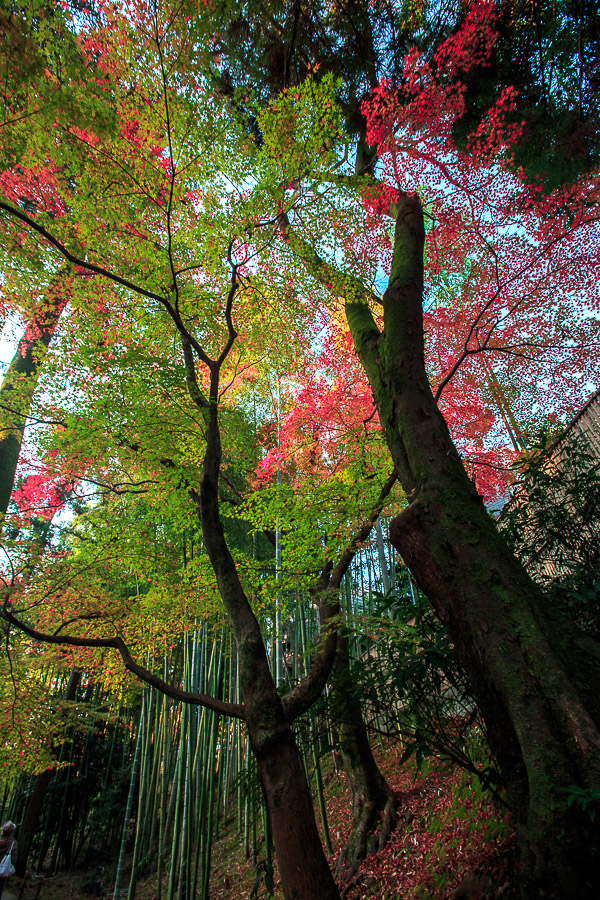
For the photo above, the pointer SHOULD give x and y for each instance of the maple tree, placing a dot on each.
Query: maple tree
(43, 86)
(120, 347)
(151, 206)
(19, 383)
(498, 619)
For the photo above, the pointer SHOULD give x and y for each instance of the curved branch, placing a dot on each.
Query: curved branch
(236, 710)
(77, 260)
(231, 332)
(325, 589)
(106, 273)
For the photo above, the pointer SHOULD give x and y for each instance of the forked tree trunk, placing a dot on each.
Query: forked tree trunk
(535, 676)
(303, 867)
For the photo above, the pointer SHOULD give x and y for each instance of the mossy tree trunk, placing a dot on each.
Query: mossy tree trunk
(305, 873)
(536, 678)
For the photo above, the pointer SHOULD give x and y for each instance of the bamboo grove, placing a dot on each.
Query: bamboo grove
(278, 274)
(159, 779)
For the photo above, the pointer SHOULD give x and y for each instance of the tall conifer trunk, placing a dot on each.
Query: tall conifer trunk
(20, 381)
(536, 678)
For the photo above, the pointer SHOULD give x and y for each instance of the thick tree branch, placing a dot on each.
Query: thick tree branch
(348, 286)
(196, 395)
(222, 707)
(326, 594)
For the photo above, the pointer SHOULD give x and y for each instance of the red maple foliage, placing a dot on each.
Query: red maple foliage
(511, 305)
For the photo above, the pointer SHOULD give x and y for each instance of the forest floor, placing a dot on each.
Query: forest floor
(452, 843)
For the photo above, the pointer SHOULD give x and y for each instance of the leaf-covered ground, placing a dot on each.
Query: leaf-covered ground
(452, 843)
(451, 838)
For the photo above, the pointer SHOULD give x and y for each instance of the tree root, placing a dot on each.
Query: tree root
(373, 822)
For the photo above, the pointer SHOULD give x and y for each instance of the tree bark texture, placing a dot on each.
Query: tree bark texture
(303, 866)
(374, 804)
(536, 678)
(301, 860)
(20, 382)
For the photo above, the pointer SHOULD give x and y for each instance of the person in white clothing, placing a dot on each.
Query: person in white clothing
(7, 845)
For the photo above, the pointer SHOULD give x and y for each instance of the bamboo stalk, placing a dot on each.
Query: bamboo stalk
(128, 807)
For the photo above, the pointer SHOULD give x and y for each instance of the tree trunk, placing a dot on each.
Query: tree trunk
(35, 805)
(20, 381)
(374, 805)
(536, 678)
(303, 867)
(302, 864)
